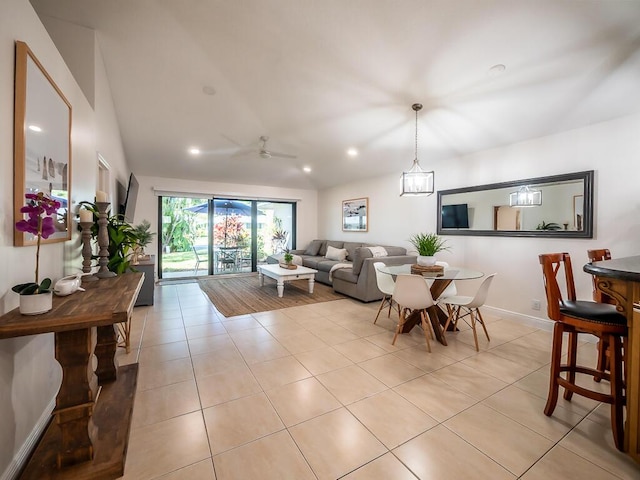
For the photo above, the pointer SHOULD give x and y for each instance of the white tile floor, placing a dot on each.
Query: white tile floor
(318, 392)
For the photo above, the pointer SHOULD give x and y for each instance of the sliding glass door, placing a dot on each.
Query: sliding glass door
(184, 240)
(232, 234)
(218, 236)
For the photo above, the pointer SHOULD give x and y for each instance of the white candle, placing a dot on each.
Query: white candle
(86, 215)
(101, 196)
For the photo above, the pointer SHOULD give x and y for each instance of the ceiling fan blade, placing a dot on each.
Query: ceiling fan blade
(243, 152)
(281, 155)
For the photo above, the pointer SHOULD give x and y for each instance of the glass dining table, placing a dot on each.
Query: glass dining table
(438, 283)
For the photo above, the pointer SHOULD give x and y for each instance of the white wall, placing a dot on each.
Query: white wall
(147, 204)
(611, 149)
(29, 375)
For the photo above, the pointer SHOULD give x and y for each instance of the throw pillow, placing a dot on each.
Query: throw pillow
(313, 248)
(338, 254)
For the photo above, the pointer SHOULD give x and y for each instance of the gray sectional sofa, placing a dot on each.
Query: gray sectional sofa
(358, 281)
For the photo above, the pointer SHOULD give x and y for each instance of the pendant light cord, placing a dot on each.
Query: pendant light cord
(416, 108)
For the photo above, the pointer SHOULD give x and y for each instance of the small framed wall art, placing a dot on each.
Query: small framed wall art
(355, 215)
(42, 144)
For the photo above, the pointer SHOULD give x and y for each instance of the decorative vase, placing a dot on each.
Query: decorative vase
(36, 304)
(426, 261)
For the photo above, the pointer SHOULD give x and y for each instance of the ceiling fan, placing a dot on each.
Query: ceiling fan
(265, 153)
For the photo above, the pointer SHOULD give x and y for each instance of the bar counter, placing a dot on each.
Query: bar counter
(620, 279)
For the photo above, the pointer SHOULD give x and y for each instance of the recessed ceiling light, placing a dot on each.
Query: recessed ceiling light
(35, 128)
(352, 152)
(497, 69)
(307, 169)
(208, 90)
(194, 151)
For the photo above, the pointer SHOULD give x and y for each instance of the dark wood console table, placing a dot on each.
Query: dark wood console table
(87, 438)
(620, 279)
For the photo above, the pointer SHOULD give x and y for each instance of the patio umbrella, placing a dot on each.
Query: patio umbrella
(223, 207)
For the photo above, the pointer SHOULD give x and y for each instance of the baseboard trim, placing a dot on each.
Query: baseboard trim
(20, 459)
(541, 323)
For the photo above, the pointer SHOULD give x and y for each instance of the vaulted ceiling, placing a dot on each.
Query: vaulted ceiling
(320, 76)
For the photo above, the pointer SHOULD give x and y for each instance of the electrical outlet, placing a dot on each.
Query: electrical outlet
(535, 304)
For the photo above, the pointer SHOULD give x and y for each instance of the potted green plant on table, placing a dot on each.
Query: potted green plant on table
(36, 297)
(122, 240)
(427, 245)
(288, 260)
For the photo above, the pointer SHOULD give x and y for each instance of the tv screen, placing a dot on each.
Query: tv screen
(131, 199)
(455, 216)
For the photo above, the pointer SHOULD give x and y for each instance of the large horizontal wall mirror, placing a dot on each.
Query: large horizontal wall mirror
(556, 206)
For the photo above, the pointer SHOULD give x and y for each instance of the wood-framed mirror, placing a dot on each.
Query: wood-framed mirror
(42, 144)
(565, 209)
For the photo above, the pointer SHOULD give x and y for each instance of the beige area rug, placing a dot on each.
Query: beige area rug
(243, 294)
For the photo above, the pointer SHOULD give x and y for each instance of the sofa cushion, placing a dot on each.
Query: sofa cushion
(313, 248)
(360, 254)
(333, 243)
(345, 274)
(312, 262)
(351, 249)
(325, 265)
(338, 254)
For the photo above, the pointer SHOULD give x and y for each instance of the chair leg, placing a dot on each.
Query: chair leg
(380, 309)
(453, 312)
(617, 415)
(400, 325)
(425, 327)
(556, 354)
(473, 327)
(602, 358)
(571, 363)
(390, 305)
(481, 321)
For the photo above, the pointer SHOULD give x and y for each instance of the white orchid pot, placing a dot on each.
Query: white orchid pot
(426, 261)
(36, 304)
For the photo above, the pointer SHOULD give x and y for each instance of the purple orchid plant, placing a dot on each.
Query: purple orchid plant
(39, 210)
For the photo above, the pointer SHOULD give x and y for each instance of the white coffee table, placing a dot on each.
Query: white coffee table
(282, 275)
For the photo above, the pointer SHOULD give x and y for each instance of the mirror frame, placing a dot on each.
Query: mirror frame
(37, 97)
(587, 179)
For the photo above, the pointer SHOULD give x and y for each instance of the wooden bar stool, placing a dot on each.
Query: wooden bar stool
(576, 317)
(598, 255)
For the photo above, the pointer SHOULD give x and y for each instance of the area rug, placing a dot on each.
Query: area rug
(239, 295)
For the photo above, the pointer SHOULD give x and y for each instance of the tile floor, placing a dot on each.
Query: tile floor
(319, 392)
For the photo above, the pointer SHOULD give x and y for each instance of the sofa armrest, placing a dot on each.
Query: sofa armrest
(299, 251)
(367, 284)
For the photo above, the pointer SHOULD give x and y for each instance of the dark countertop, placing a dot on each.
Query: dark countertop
(627, 268)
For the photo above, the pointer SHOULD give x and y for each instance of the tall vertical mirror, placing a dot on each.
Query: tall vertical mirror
(554, 206)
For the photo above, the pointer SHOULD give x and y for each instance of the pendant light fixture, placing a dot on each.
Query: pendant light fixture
(417, 181)
(525, 197)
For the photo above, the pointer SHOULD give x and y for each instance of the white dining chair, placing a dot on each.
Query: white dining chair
(451, 289)
(412, 293)
(386, 284)
(471, 307)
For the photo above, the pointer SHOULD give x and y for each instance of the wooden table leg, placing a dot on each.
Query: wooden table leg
(77, 395)
(106, 346)
(437, 317)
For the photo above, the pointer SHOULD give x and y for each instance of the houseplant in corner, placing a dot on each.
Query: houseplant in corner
(427, 245)
(36, 297)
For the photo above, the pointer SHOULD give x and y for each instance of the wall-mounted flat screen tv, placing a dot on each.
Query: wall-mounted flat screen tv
(455, 216)
(131, 199)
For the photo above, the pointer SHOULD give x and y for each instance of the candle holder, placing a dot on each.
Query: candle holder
(87, 252)
(103, 241)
